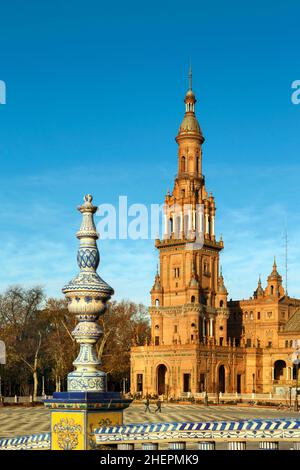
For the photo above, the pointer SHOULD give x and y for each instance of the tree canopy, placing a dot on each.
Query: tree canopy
(37, 332)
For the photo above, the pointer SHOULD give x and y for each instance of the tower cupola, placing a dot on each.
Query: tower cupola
(189, 127)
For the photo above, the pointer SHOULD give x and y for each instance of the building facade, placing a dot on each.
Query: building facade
(199, 340)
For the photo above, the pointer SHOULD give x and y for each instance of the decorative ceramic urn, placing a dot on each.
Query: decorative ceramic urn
(87, 296)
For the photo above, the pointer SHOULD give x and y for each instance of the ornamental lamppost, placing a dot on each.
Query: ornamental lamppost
(87, 404)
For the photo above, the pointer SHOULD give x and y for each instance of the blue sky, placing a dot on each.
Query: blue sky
(94, 101)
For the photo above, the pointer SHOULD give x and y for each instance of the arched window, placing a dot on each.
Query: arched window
(171, 225)
(197, 164)
(279, 370)
(221, 303)
(272, 290)
(156, 303)
(183, 164)
(193, 299)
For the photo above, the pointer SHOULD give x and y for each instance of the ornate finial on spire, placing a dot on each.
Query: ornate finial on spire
(157, 285)
(274, 265)
(190, 76)
(87, 295)
(259, 292)
(190, 126)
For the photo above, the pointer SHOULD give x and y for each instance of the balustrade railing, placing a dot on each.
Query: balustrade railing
(266, 433)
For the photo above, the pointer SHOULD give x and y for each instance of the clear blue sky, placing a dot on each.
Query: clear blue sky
(94, 100)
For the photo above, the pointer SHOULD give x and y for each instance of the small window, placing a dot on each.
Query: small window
(156, 303)
(221, 341)
(258, 315)
(192, 337)
(251, 315)
(248, 343)
(157, 327)
(156, 340)
(269, 344)
(291, 343)
(176, 272)
(183, 164)
(272, 290)
(221, 303)
(286, 344)
(175, 328)
(193, 299)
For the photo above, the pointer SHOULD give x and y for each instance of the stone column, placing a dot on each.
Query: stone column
(200, 219)
(206, 223)
(212, 225)
(190, 220)
(181, 224)
(211, 329)
(166, 226)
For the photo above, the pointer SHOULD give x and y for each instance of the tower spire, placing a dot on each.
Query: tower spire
(190, 76)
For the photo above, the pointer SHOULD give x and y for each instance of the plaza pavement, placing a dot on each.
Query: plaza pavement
(18, 420)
